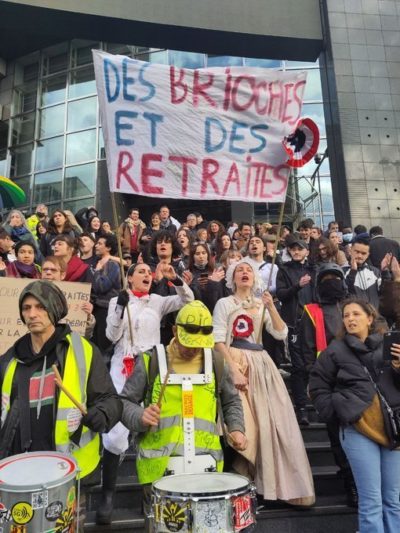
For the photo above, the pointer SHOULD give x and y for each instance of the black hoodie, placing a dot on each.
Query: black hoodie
(34, 388)
(289, 292)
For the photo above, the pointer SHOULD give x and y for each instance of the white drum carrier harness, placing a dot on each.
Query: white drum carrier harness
(190, 462)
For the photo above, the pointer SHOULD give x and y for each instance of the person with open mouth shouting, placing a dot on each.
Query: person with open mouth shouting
(145, 311)
(275, 457)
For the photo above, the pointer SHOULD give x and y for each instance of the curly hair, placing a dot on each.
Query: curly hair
(164, 236)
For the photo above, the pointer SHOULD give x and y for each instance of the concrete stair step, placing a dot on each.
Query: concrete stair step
(329, 515)
(315, 432)
(129, 494)
(320, 454)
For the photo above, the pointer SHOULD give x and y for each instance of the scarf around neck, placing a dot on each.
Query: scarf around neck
(18, 231)
(16, 269)
(76, 268)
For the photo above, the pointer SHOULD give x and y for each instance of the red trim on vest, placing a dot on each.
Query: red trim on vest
(316, 315)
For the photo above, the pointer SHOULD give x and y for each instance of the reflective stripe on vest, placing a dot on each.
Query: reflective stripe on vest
(167, 439)
(316, 315)
(76, 372)
(6, 389)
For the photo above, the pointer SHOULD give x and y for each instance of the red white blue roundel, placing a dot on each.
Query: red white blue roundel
(302, 144)
(242, 326)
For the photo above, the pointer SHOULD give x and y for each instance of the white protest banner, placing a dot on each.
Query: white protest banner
(212, 134)
(11, 326)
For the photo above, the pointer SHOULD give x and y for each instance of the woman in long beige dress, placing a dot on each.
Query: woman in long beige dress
(275, 458)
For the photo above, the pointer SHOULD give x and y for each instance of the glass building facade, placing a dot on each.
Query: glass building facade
(54, 148)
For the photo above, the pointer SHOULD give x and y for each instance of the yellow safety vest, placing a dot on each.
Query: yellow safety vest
(166, 440)
(76, 372)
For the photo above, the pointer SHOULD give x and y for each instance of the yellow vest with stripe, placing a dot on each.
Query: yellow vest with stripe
(76, 372)
(157, 445)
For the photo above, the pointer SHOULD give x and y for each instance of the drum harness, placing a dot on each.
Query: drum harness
(190, 462)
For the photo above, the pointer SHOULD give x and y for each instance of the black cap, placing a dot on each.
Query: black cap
(296, 242)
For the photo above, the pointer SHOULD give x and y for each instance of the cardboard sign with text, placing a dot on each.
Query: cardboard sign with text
(11, 326)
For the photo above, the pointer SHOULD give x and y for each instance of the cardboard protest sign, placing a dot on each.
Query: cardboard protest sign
(11, 326)
(207, 134)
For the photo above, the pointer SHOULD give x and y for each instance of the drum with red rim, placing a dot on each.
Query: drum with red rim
(209, 502)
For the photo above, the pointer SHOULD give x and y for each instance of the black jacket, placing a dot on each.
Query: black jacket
(38, 434)
(209, 292)
(338, 384)
(47, 240)
(289, 292)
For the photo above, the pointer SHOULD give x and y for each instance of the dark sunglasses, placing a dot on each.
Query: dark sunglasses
(193, 328)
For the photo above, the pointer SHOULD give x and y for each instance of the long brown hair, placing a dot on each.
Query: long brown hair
(210, 260)
(378, 324)
(221, 230)
(67, 227)
(331, 251)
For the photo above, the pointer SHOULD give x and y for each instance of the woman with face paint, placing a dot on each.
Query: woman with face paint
(275, 458)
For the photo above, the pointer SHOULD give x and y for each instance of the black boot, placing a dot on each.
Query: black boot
(302, 417)
(110, 472)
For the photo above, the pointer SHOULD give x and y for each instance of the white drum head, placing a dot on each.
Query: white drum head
(207, 483)
(30, 471)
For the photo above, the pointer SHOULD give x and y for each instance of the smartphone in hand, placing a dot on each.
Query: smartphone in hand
(389, 338)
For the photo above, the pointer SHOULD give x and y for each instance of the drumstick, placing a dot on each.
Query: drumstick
(58, 380)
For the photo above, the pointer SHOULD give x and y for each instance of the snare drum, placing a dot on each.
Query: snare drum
(208, 502)
(38, 493)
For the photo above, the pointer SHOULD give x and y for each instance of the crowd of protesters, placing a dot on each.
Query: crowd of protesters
(231, 268)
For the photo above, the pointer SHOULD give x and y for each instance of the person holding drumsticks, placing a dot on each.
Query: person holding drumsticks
(181, 386)
(35, 414)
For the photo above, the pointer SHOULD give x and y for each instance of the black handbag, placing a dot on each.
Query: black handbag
(391, 415)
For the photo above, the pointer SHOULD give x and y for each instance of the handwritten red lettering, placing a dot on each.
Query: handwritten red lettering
(209, 168)
(200, 89)
(288, 91)
(177, 83)
(233, 177)
(125, 163)
(249, 93)
(275, 99)
(298, 93)
(280, 173)
(265, 181)
(185, 162)
(227, 90)
(148, 172)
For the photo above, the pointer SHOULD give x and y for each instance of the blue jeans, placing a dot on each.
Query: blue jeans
(376, 471)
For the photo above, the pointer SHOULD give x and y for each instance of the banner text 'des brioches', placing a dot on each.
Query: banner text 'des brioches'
(200, 134)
